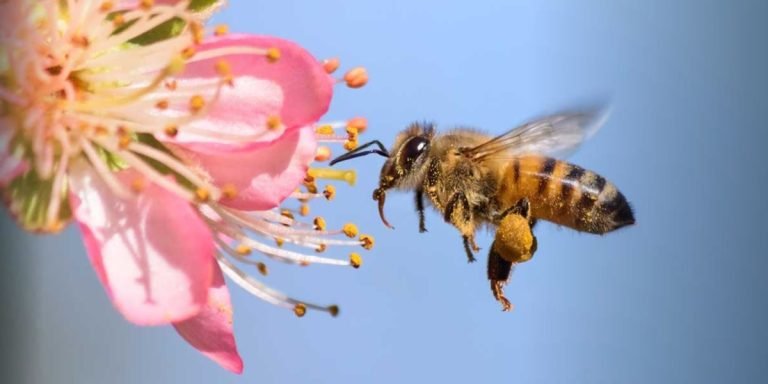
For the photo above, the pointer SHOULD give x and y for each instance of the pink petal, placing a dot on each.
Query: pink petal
(210, 332)
(295, 88)
(152, 252)
(264, 175)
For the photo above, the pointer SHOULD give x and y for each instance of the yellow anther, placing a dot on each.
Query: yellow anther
(304, 209)
(279, 241)
(324, 130)
(355, 260)
(138, 184)
(243, 250)
(356, 77)
(196, 103)
(321, 248)
(146, 4)
(323, 153)
(273, 54)
(124, 140)
(348, 175)
(352, 132)
(221, 30)
(198, 33)
(358, 123)
(188, 52)
(80, 41)
(162, 104)
(311, 187)
(300, 310)
(118, 20)
(331, 65)
(333, 310)
(202, 194)
(350, 230)
(350, 144)
(177, 64)
(262, 269)
(329, 192)
(106, 6)
(171, 85)
(229, 191)
(274, 122)
(224, 70)
(287, 213)
(171, 130)
(304, 263)
(366, 241)
(319, 223)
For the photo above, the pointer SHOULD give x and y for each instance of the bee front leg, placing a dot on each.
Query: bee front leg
(420, 209)
(459, 213)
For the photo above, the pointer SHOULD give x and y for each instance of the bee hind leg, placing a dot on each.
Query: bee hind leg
(459, 213)
(498, 273)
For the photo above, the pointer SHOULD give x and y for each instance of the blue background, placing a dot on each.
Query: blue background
(680, 297)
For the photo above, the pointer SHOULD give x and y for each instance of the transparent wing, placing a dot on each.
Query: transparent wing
(555, 135)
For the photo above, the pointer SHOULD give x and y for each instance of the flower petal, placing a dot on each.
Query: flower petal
(152, 252)
(295, 89)
(264, 175)
(210, 332)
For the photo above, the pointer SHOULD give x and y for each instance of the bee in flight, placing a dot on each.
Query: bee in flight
(506, 182)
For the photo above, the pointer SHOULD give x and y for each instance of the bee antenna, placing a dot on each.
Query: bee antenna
(359, 152)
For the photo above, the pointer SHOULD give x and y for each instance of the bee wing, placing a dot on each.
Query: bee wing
(555, 135)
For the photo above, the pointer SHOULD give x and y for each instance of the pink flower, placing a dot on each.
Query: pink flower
(171, 152)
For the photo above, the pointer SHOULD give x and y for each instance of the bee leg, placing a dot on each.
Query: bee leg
(498, 273)
(420, 209)
(459, 213)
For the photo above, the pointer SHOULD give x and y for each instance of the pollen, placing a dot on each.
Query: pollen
(355, 260)
(196, 103)
(300, 310)
(146, 4)
(221, 30)
(348, 175)
(333, 310)
(366, 241)
(171, 130)
(350, 230)
(124, 140)
(352, 132)
(138, 184)
(243, 250)
(273, 55)
(356, 77)
(229, 191)
(329, 192)
(350, 144)
(106, 6)
(202, 195)
(279, 241)
(319, 223)
(80, 41)
(178, 62)
(162, 104)
(287, 213)
(324, 130)
(274, 122)
(171, 85)
(262, 268)
(358, 123)
(331, 65)
(321, 248)
(304, 209)
(323, 153)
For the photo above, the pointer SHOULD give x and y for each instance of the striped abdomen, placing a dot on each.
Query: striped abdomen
(565, 194)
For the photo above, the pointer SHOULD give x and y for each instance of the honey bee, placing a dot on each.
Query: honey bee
(506, 183)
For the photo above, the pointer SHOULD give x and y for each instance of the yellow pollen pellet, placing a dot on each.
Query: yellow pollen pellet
(333, 310)
(162, 104)
(355, 260)
(323, 153)
(137, 184)
(262, 269)
(243, 250)
(171, 131)
(329, 192)
(274, 122)
(321, 248)
(273, 55)
(356, 77)
(106, 6)
(118, 20)
(300, 310)
(366, 241)
(319, 223)
(324, 130)
(358, 123)
(202, 194)
(350, 144)
(229, 191)
(221, 30)
(350, 230)
(304, 209)
(196, 103)
(146, 4)
(279, 241)
(331, 65)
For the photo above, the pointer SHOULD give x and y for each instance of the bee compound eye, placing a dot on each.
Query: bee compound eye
(413, 149)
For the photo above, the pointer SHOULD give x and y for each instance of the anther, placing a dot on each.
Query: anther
(124, 140)
(334, 174)
(321, 248)
(198, 33)
(287, 213)
(221, 30)
(323, 153)
(273, 55)
(225, 71)
(262, 268)
(188, 52)
(300, 309)
(171, 130)
(196, 103)
(229, 191)
(356, 77)
(137, 184)
(106, 6)
(162, 104)
(202, 195)
(101, 130)
(171, 85)
(324, 130)
(80, 41)
(350, 230)
(118, 20)
(319, 223)
(304, 209)
(366, 241)
(304, 263)
(329, 192)
(358, 123)
(273, 122)
(331, 65)
(355, 260)
(350, 144)
(333, 310)
(146, 5)
(243, 250)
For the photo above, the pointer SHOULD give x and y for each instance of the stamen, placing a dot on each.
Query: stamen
(323, 154)
(300, 309)
(348, 175)
(356, 77)
(331, 65)
(106, 175)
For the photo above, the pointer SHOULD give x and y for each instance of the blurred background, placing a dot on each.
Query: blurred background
(680, 297)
